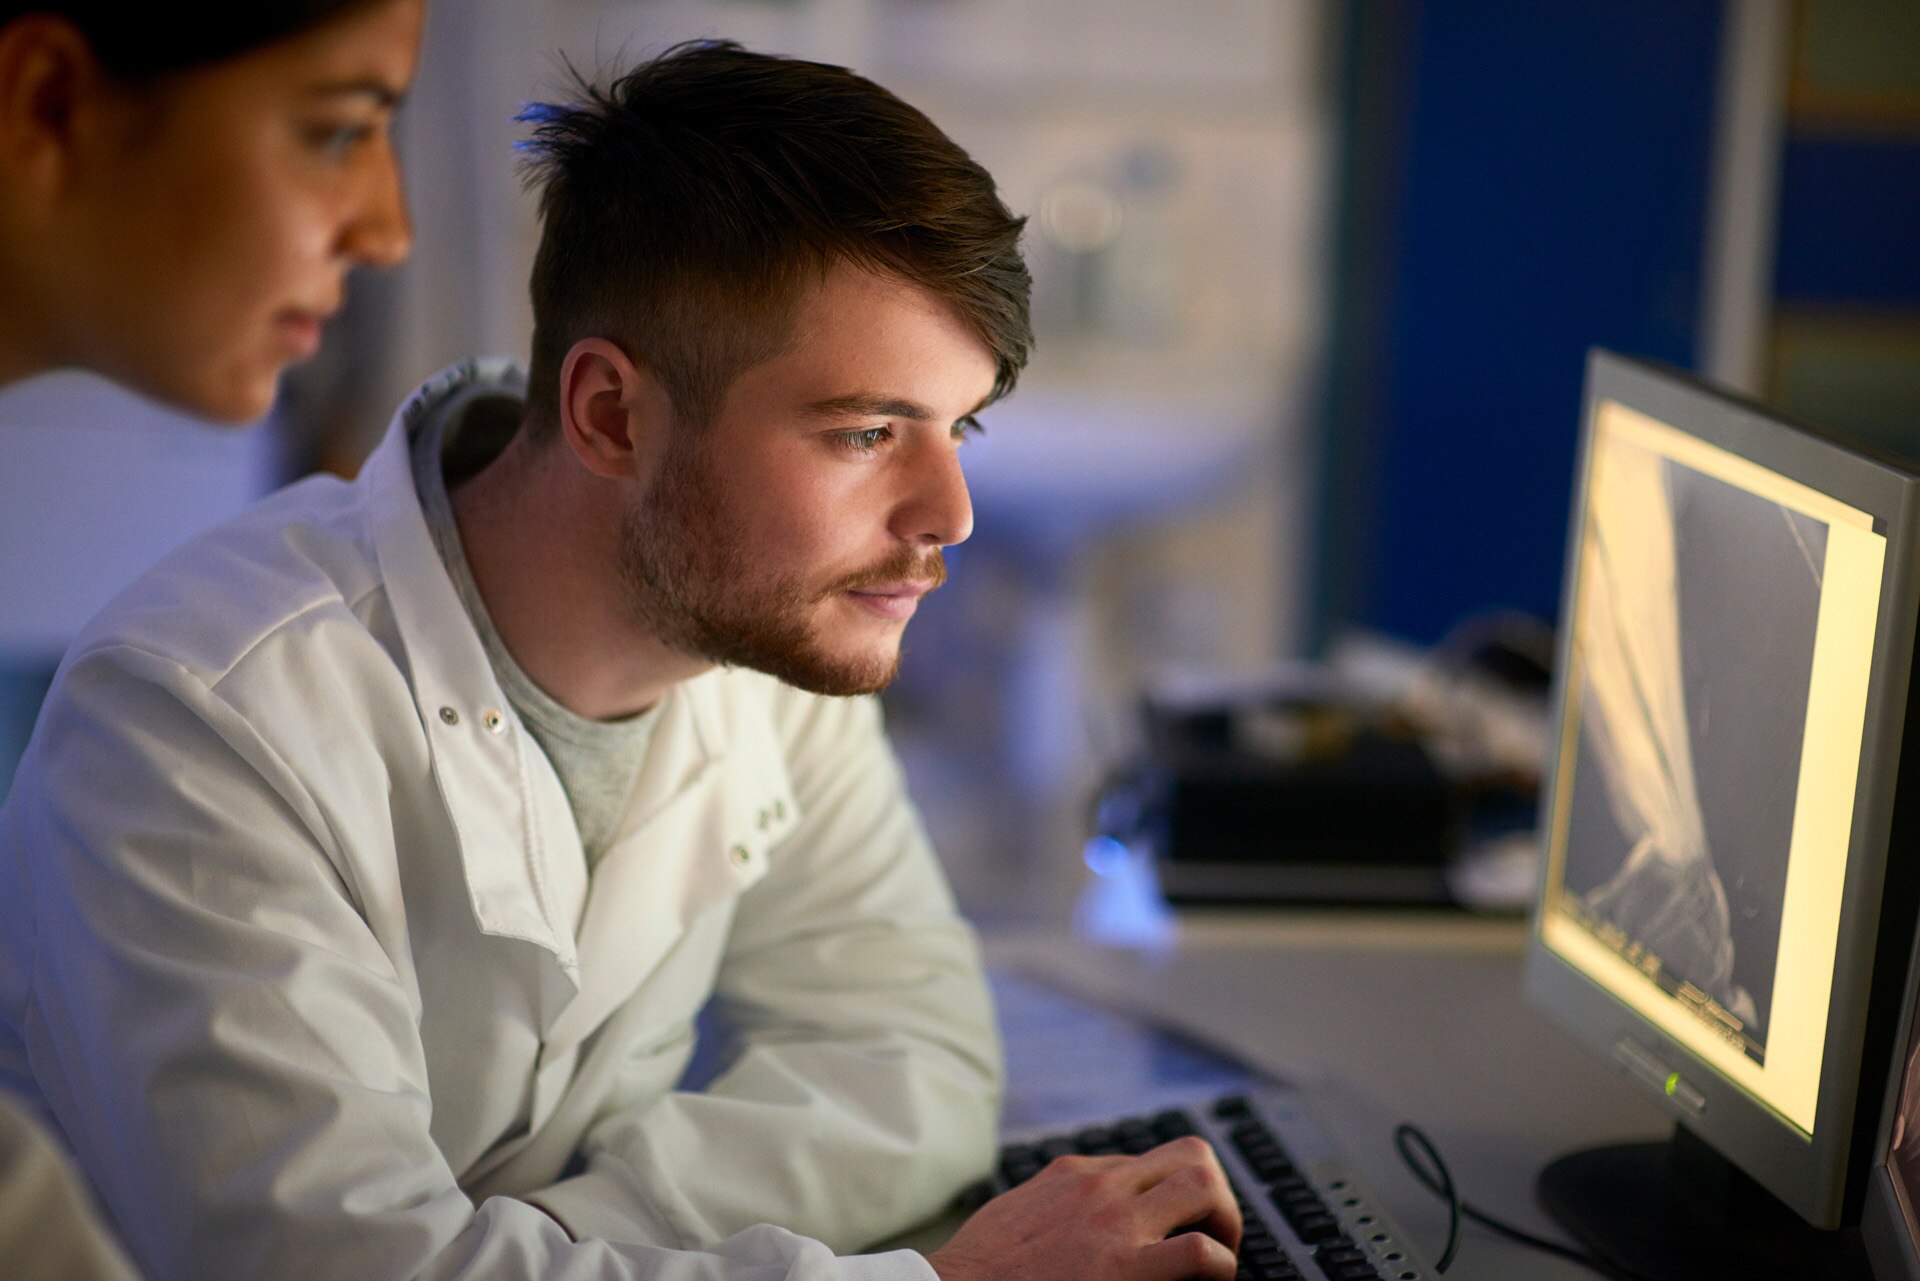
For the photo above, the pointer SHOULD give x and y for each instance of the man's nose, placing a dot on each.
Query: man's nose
(938, 510)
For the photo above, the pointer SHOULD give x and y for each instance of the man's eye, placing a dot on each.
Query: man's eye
(867, 440)
(967, 427)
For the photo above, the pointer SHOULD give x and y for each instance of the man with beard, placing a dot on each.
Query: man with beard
(376, 852)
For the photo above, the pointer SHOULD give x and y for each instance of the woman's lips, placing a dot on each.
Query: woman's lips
(301, 330)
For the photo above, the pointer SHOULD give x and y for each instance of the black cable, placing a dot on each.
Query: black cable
(1439, 1182)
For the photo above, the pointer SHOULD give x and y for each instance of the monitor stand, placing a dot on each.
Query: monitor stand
(1678, 1211)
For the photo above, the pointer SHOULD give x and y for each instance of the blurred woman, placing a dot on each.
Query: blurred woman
(183, 190)
(182, 193)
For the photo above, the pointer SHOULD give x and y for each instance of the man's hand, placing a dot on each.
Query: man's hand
(1104, 1218)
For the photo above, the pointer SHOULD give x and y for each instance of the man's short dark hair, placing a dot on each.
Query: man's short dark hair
(686, 209)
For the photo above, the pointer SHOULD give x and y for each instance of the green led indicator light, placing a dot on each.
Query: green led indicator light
(1673, 1083)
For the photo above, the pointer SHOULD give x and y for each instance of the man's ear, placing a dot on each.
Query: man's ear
(49, 77)
(614, 414)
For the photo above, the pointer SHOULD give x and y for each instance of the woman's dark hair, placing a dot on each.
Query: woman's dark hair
(686, 209)
(143, 41)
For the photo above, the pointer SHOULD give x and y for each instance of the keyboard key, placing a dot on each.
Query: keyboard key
(1288, 1185)
(1233, 1108)
(1096, 1140)
(1316, 1227)
(1272, 1173)
(1135, 1144)
(975, 1195)
(1020, 1162)
(1173, 1124)
(1058, 1146)
(1342, 1260)
(1258, 1147)
(1295, 1204)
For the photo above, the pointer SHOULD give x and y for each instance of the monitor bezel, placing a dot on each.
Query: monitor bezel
(1820, 1177)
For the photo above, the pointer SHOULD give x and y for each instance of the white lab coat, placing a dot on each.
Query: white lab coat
(49, 1230)
(299, 951)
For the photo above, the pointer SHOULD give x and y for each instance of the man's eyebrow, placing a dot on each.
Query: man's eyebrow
(869, 405)
(382, 93)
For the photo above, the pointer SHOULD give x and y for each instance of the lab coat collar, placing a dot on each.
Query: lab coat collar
(482, 772)
(712, 798)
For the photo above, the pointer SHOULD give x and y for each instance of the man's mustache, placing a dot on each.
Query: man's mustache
(907, 566)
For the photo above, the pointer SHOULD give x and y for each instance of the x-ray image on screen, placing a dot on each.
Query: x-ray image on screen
(1696, 626)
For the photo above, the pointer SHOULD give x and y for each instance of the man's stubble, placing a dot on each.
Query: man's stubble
(691, 579)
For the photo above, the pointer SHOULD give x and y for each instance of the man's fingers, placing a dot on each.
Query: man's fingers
(1179, 1159)
(1196, 1193)
(1082, 1164)
(1156, 1164)
(1088, 1218)
(1189, 1255)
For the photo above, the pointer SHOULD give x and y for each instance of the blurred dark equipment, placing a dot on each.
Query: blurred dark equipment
(1337, 783)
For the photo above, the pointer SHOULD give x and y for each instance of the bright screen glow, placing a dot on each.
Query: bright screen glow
(1723, 622)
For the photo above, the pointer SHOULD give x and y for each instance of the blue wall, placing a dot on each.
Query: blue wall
(1524, 181)
(1850, 222)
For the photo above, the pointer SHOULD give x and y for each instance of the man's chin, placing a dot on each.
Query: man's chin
(841, 680)
(820, 656)
(835, 675)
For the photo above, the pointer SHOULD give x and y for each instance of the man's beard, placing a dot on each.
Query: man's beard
(690, 580)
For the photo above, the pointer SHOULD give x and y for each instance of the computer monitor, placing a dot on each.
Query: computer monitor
(1722, 916)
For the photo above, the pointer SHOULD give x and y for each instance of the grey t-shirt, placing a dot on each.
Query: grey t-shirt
(597, 761)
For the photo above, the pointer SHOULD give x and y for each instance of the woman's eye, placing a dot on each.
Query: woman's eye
(337, 140)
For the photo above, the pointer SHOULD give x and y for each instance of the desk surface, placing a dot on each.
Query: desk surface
(1384, 1019)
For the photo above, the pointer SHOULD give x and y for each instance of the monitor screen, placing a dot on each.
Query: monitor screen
(1718, 911)
(1722, 633)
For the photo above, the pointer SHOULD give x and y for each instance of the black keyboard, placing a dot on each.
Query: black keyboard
(1306, 1216)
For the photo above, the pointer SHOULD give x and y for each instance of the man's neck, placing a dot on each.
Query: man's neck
(542, 537)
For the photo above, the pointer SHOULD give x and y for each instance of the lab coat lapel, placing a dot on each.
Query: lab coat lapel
(501, 796)
(697, 833)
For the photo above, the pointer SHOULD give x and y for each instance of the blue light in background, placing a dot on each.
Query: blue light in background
(1105, 856)
(1122, 905)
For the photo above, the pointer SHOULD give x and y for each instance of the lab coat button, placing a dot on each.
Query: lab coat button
(494, 721)
(780, 809)
(765, 818)
(741, 855)
(450, 716)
